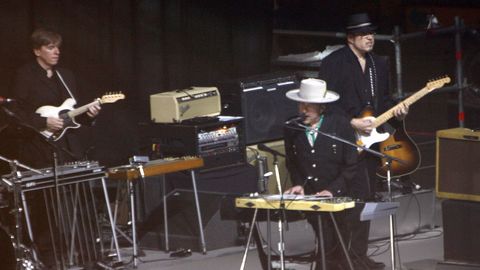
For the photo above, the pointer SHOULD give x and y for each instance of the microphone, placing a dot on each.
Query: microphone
(265, 148)
(416, 186)
(300, 117)
(262, 173)
(4, 100)
(409, 185)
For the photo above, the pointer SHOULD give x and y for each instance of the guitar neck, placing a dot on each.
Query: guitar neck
(80, 110)
(384, 117)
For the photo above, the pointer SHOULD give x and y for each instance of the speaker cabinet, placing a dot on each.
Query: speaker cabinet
(183, 224)
(262, 102)
(458, 171)
(461, 220)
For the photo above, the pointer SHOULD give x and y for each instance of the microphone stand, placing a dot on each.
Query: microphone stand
(388, 162)
(282, 216)
(281, 244)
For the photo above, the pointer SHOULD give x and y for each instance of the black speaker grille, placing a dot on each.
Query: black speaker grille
(262, 102)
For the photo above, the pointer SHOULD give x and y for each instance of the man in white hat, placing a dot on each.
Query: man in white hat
(318, 164)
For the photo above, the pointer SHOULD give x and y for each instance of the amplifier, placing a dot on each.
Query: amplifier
(458, 173)
(261, 100)
(219, 141)
(179, 105)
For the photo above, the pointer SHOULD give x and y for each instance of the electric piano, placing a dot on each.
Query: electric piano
(132, 172)
(296, 202)
(302, 203)
(155, 167)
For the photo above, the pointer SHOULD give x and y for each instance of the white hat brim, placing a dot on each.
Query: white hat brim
(330, 96)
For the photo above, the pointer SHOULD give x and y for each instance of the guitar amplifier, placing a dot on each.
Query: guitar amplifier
(261, 100)
(457, 170)
(219, 141)
(179, 105)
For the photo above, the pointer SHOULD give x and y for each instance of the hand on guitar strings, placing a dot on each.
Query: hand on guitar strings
(401, 112)
(363, 125)
(54, 124)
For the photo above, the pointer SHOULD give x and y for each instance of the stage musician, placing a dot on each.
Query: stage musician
(362, 80)
(41, 82)
(318, 164)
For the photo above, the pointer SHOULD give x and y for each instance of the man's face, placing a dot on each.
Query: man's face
(312, 112)
(362, 42)
(48, 55)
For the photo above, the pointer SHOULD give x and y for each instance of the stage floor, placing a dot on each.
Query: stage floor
(421, 251)
(419, 244)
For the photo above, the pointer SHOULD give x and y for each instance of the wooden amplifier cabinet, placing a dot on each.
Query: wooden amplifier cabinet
(458, 164)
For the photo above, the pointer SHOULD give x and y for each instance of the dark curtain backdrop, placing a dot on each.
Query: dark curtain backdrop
(140, 48)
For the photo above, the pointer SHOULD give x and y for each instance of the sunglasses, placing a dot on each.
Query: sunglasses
(365, 33)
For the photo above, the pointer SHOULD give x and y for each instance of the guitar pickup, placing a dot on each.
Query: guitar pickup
(392, 147)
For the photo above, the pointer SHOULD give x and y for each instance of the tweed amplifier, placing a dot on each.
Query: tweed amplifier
(178, 105)
(458, 173)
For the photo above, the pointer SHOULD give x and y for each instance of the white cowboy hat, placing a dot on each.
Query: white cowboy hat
(312, 91)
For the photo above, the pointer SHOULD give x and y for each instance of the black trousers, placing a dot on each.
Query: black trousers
(354, 233)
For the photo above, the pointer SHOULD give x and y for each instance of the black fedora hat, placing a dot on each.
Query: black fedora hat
(359, 23)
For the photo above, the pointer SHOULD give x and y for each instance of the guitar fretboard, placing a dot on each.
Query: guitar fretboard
(80, 110)
(384, 117)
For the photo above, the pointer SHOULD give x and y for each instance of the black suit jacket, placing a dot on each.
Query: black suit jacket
(33, 89)
(343, 74)
(329, 164)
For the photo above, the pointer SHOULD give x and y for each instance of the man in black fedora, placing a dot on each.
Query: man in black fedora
(361, 78)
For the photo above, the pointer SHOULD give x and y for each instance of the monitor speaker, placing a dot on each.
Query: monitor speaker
(458, 173)
(262, 102)
(460, 228)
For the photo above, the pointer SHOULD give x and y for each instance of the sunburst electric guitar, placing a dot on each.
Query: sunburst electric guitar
(398, 144)
(68, 113)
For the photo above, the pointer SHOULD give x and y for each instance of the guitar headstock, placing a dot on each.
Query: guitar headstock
(112, 97)
(438, 83)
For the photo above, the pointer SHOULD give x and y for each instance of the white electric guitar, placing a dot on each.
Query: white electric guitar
(68, 113)
(368, 140)
(398, 144)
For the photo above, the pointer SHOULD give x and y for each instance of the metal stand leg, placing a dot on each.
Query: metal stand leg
(253, 223)
(165, 215)
(391, 221)
(26, 212)
(110, 217)
(269, 241)
(321, 242)
(115, 209)
(131, 191)
(197, 205)
(118, 197)
(281, 244)
(342, 243)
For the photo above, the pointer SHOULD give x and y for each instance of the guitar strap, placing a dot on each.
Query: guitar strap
(66, 86)
(373, 82)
